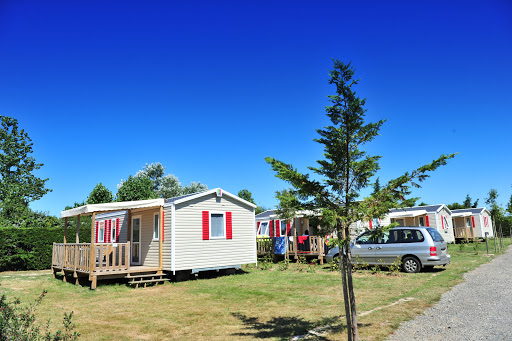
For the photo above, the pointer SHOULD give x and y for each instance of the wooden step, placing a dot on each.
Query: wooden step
(145, 282)
(141, 276)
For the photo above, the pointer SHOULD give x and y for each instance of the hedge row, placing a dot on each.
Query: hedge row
(31, 248)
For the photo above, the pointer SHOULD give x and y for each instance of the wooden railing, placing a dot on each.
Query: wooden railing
(77, 257)
(463, 232)
(264, 245)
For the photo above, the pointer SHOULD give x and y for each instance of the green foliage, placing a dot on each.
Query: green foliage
(246, 195)
(165, 186)
(18, 323)
(455, 206)
(497, 212)
(136, 188)
(31, 248)
(99, 195)
(509, 206)
(396, 267)
(194, 187)
(18, 186)
(469, 204)
(284, 265)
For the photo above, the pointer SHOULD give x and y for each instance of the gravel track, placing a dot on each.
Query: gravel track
(478, 309)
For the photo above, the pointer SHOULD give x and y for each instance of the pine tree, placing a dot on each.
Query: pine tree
(345, 171)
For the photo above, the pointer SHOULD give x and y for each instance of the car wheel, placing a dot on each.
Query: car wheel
(411, 265)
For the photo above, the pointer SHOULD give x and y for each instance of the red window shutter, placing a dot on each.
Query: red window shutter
(288, 228)
(371, 224)
(473, 220)
(206, 225)
(278, 228)
(229, 226)
(442, 221)
(97, 227)
(117, 230)
(258, 226)
(109, 233)
(163, 226)
(427, 222)
(271, 226)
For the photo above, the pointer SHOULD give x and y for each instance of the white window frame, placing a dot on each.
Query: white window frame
(113, 230)
(156, 229)
(101, 240)
(281, 228)
(421, 221)
(259, 232)
(210, 224)
(468, 221)
(446, 224)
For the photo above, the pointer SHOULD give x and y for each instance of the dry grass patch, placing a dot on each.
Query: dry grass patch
(257, 304)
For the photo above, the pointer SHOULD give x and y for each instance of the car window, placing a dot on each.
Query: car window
(411, 236)
(393, 237)
(366, 238)
(436, 236)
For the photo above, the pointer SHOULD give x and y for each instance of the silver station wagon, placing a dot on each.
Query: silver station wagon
(416, 247)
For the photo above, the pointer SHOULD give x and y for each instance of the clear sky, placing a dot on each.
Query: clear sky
(210, 88)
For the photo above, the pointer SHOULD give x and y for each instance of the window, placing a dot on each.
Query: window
(113, 231)
(218, 225)
(445, 219)
(101, 231)
(421, 221)
(283, 225)
(435, 235)
(366, 238)
(412, 236)
(263, 231)
(156, 227)
(468, 222)
(218, 229)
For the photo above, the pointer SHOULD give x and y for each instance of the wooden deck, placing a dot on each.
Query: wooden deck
(109, 260)
(299, 246)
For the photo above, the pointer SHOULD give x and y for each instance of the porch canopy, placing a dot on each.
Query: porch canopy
(407, 214)
(461, 214)
(111, 206)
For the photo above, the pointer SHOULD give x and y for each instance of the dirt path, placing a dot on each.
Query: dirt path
(478, 309)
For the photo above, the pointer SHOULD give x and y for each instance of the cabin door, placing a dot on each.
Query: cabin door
(135, 249)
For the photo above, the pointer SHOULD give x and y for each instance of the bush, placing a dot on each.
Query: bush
(31, 248)
(18, 323)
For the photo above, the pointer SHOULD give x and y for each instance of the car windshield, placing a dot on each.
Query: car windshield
(435, 235)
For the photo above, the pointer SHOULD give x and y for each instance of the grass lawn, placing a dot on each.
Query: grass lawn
(255, 304)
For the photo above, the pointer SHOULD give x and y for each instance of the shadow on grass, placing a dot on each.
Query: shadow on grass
(286, 327)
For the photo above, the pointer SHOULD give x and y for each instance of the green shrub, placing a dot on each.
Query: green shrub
(18, 323)
(31, 248)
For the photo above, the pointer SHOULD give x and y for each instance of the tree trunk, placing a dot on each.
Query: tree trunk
(343, 269)
(355, 333)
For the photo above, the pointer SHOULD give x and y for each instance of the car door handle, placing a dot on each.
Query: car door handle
(378, 248)
(370, 248)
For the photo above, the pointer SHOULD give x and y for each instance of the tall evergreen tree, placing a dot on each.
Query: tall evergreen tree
(344, 172)
(18, 185)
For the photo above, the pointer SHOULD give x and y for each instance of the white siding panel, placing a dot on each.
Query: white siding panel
(166, 247)
(192, 252)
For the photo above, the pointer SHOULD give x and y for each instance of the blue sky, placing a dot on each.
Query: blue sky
(211, 88)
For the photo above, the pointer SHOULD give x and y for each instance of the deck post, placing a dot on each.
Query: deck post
(93, 280)
(92, 260)
(65, 228)
(160, 241)
(295, 240)
(77, 229)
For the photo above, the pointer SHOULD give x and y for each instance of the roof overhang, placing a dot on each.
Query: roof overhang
(407, 214)
(462, 214)
(111, 206)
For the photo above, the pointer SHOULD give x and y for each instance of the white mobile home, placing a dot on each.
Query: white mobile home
(203, 231)
(436, 216)
(472, 223)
